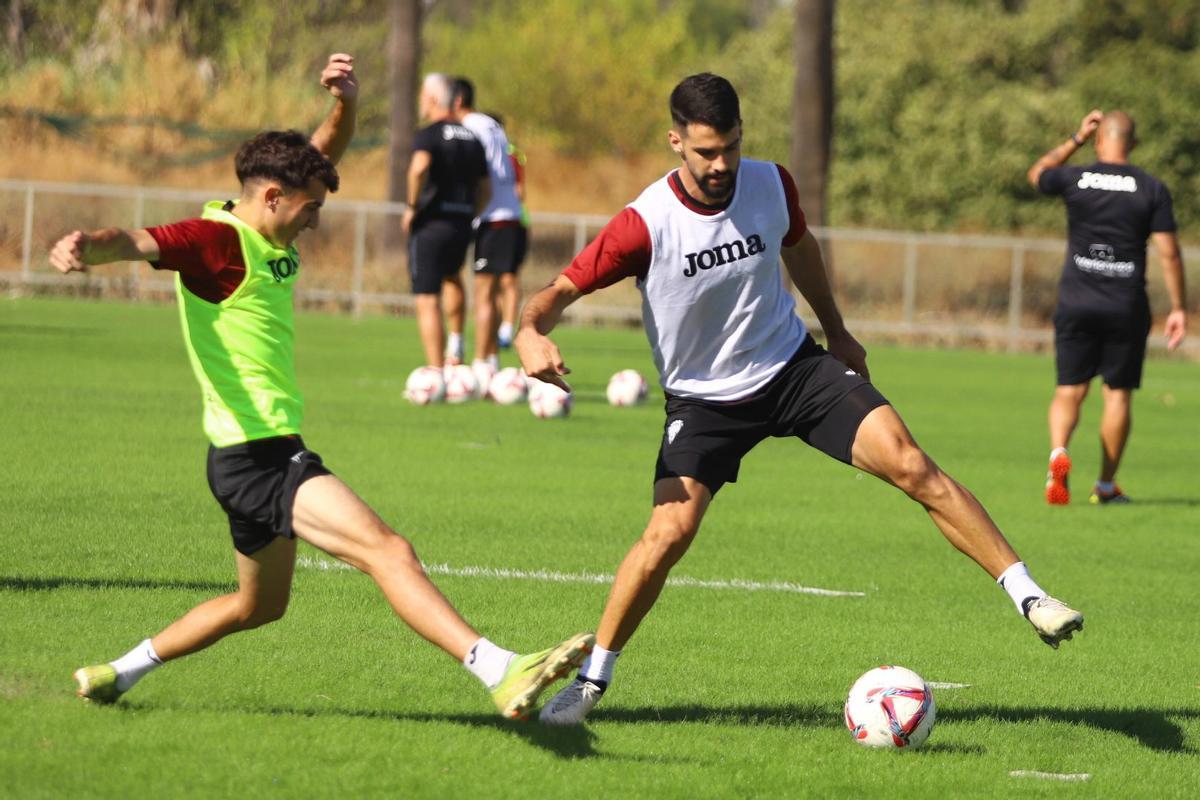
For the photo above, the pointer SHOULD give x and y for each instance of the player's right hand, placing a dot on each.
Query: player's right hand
(67, 253)
(540, 358)
(1089, 124)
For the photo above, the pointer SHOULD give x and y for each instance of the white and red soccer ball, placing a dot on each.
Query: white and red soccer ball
(509, 386)
(484, 372)
(890, 707)
(461, 384)
(547, 400)
(627, 388)
(425, 385)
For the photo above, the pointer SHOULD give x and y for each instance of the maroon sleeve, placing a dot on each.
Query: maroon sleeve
(206, 253)
(797, 225)
(621, 250)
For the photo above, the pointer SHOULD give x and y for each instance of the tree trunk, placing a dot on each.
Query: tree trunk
(16, 31)
(812, 104)
(404, 61)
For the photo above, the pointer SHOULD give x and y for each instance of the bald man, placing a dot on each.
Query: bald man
(1103, 313)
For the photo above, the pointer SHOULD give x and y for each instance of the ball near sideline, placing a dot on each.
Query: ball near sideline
(425, 385)
(627, 388)
(548, 401)
(508, 386)
(461, 384)
(890, 707)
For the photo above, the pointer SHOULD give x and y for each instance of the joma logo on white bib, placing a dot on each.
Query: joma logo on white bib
(723, 254)
(1109, 183)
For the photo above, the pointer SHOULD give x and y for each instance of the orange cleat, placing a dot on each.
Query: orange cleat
(1057, 492)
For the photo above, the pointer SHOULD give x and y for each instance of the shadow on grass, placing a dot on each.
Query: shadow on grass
(1167, 501)
(1150, 727)
(12, 583)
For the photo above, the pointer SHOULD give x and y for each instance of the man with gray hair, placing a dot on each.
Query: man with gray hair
(1103, 313)
(448, 187)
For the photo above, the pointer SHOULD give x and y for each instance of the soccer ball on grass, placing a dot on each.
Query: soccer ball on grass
(627, 388)
(547, 400)
(890, 707)
(425, 385)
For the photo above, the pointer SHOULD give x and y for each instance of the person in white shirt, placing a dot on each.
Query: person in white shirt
(738, 365)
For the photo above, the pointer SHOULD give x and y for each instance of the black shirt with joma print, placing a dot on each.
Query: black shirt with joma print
(1111, 211)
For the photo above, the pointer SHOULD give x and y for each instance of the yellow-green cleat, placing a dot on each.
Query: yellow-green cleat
(528, 676)
(97, 683)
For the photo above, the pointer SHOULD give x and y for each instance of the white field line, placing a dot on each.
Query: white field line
(1050, 776)
(944, 685)
(550, 576)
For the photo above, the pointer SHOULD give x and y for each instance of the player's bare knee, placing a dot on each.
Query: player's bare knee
(253, 612)
(916, 475)
(668, 540)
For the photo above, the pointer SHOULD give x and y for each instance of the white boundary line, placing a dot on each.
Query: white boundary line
(550, 576)
(946, 685)
(1050, 776)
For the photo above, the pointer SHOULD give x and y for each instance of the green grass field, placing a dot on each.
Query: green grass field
(109, 533)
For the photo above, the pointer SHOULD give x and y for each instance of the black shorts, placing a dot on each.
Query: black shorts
(815, 397)
(1090, 343)
(500, 247)
(256, 484)
(436, 251)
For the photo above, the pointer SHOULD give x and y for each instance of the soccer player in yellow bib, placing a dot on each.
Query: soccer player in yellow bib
(236, 267)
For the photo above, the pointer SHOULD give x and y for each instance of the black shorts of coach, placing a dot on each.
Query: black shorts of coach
(256, 484)
(436, 251)
(500, 247)
(815, 398)
(1111, 344)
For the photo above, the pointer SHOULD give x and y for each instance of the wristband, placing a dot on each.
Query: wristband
(1075, 138)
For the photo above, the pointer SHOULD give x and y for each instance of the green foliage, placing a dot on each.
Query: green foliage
(941, 105)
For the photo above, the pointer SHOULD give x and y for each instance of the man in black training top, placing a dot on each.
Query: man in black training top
(448, 187)
(1103, 313)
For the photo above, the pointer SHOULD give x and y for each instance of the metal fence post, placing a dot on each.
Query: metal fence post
(360, 254)
(135, 267)
(1016, 288)
(580, 234)
(910, 280)
(27, 236)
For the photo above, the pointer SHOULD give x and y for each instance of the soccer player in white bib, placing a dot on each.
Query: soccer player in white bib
(738, 365)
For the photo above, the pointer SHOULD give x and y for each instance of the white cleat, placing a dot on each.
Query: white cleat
(1053, 620)
(572, 703)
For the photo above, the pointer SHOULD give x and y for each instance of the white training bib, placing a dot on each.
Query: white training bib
(719, 319)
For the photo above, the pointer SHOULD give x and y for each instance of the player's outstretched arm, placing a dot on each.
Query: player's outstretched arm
(1058, 155)
(334, 134)
(78, 250)
(539, 355)
(1172, 260)
(806, 267)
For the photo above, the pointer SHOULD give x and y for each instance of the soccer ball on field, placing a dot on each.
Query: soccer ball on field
(627, 388)
(425, 385)
(547, 400)
(890, 707)
(461, 384)
(508, 386)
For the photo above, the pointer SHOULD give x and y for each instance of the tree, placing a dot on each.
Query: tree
(812, 104)
(404, 60)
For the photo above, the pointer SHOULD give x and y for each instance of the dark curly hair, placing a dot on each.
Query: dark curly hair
(707, 99)
(285, 156)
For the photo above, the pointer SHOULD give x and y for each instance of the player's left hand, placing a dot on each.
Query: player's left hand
(845, 348)
(67, 253)
(338, 77)
(1176, 328)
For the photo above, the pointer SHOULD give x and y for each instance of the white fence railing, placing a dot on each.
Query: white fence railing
(991, 290)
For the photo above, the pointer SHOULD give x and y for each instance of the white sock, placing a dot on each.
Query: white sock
(506, 330)
(454, 345)
(1016, 581)
(132, 666)
(494, 361)
(1056, 451)
(1105, 486)
(599, 665)
(487, 662)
